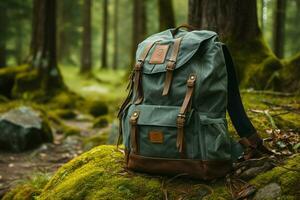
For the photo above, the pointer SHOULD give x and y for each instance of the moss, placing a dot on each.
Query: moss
(22, 192)
(70, 131)
(290, 75)
(63, 113)
(65, 100)
(287, 176)
(28, 189)
(102, 121)
(95, 140)
(3, 99)
(7, 78)
(99, 174)
(97, 108)
(27, 85)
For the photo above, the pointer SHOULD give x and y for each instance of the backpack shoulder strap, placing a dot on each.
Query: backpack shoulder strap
(235, 107)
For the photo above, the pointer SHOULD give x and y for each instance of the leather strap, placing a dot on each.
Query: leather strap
(134, 131)
(138, 76)
(183, 110)
(171, 66)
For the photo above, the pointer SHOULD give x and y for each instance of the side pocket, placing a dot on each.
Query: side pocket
(126, 128)
(217, 141)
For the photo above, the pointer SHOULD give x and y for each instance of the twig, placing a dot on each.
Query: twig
(266, 112)
(285, 107)
(267, 92)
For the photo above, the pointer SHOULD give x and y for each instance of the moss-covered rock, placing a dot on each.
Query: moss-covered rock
(22, 192)
(28, 189)
(290, 74)
(28, 85)
(99, 174)
(63, 113)
(23, 128)
(102, 121)
(70, 131)
(287, 176)
(65, 100)
(7, 78)
(97, 108)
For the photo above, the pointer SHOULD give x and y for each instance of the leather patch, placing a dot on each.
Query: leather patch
(159, 54)
(156, 137)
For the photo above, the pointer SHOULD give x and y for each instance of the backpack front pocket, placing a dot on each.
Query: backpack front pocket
(155, 130)
(217, 141)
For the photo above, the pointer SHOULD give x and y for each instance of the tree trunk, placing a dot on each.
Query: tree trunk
(86, 54)
(105, 33)
(236, 19)
(279, 28)
(62, 45)
(3, 34)
(19, 42)
(139, 25)
(236, 23)
(262, 15)
(43, 43)
(166, 14)
(116, 37)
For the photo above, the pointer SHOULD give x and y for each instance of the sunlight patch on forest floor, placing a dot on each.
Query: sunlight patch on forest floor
(107, 84)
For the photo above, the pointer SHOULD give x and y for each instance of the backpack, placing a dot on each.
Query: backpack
(173, 120)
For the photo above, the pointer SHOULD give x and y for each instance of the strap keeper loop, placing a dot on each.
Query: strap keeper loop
(180, 120)
(170, 66)
(138, 66)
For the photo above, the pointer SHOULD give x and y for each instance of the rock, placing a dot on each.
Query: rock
(23, 128)
(270, 191)
(101, 122)
(99, 174)
(97, 108)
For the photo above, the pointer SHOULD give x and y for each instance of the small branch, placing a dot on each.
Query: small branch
(284, 107)
(267, 92)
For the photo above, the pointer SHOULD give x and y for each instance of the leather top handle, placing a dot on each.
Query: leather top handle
(186, 26)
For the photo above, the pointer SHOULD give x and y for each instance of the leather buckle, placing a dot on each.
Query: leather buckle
(138, 65)
(180, 120)
(171, 65)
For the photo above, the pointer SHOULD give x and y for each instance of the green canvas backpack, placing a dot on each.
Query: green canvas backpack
(173, 120)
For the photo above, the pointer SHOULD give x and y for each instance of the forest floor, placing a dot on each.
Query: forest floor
(276, 116)
(40, 163)
(43, 161)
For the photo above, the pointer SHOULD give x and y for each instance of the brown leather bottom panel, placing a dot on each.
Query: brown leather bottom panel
(192, 168)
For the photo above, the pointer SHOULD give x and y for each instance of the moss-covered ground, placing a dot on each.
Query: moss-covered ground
(99, 173)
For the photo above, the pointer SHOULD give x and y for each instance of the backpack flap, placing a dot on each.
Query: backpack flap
(190, 43)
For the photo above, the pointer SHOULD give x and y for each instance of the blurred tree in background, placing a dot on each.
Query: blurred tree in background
(86, 55)
(270, 24)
